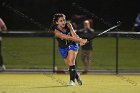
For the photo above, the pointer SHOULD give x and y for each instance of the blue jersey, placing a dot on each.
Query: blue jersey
(62, 43)
(66, 45)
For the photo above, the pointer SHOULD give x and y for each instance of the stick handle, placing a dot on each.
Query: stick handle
(111, 28)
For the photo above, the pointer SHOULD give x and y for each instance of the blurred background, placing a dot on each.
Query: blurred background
(43, 10)
(40, 52)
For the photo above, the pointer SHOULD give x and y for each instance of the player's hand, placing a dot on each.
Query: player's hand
(83, 42)
(69, 25)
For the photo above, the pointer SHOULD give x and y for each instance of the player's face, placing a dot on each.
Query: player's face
(61, 22)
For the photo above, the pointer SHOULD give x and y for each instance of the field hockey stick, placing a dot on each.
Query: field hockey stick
(110, 29)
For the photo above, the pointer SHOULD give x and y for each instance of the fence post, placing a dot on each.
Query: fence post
(54, 54)
(117, 51)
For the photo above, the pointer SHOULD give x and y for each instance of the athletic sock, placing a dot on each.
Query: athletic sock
(72, 72)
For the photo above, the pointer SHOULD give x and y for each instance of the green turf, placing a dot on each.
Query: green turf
(52, 83)
(33, 52)
(27, 52)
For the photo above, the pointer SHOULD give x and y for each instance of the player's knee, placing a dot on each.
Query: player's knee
(70, 62)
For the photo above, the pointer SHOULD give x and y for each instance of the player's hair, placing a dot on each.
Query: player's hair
(57, 16)
(55, 19)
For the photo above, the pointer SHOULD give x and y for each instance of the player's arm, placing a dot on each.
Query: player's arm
(67, 37)
(2, 25)
(72, 30)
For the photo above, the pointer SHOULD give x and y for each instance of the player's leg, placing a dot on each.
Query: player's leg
(84, 60)
(72, 68)
(77, 76)
(70, 61)
(88, 56)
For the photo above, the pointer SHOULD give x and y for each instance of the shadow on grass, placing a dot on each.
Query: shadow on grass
(51, 86)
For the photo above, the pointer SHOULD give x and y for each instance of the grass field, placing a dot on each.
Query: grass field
(37, 52)
(56, 83)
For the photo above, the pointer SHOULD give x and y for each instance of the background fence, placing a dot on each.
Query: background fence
(38, 51)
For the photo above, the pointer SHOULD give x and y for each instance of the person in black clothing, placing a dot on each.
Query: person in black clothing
(88, 33)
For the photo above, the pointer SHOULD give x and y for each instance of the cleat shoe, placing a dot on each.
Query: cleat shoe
(71, 83)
